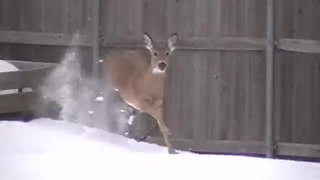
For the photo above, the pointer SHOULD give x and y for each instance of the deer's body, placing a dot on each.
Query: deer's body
(139, 78)
(129, 72)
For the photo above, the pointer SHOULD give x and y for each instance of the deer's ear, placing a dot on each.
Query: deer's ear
(147, 41)
(172, 41)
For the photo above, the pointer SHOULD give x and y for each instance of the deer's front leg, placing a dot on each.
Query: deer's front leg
(164, 130)
(155, 109)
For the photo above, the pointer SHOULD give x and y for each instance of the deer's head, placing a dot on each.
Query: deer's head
(160, 54)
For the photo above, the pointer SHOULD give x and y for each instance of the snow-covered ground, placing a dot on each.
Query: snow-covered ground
(47, 149)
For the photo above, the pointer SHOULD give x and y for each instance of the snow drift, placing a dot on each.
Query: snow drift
(46, 149)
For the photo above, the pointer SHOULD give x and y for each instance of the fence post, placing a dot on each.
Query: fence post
(270, 79)
(96, 37)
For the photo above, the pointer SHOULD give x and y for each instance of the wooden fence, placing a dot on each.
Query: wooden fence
(30, 76)
(41, 30)
(245, 78)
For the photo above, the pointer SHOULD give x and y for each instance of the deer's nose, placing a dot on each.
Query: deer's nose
(162, 65)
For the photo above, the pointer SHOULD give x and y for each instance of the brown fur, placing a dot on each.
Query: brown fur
(131, 73)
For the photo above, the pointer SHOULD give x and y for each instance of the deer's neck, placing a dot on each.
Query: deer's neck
(153, 77)
(155, 72)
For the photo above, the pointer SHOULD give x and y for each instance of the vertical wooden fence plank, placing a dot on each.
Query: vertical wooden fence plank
(4, 14)
(96, 37)
(269, 80)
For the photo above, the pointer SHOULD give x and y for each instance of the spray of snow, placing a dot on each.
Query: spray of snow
(82, 99)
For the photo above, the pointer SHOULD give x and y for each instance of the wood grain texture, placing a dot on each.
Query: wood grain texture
(4, 14)
(35, 31)
(21, 102)
(294, 149)
(297, 19)
(217, 95)
(54, 39)
(297, 73)
(198, 44)
(205, 146)
(299, 45)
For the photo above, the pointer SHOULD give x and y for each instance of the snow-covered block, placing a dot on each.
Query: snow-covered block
(5, 66)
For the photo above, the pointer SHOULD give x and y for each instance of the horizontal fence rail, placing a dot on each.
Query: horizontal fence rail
(39, 38)
(227, 43)
(230, 43)
(246, 147)
(236, 44)
(299, 45)
(292, 149)
(217, 146)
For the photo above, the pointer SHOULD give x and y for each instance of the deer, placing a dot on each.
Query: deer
(139, 79)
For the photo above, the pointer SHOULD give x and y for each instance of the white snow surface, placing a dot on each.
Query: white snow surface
(6, 66)
(48, 149)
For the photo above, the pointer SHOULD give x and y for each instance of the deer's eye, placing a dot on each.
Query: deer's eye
(155, 54)
(167, 53)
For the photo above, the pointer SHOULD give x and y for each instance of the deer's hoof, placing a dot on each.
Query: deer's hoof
(172, 151)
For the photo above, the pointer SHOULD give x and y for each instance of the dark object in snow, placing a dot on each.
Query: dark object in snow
(143, 125)
(17, 116)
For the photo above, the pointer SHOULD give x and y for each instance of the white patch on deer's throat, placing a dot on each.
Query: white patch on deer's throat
(156, 70)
